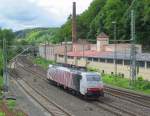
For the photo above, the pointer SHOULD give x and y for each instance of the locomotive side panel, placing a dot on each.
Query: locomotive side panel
(65, 78)
(88, 84)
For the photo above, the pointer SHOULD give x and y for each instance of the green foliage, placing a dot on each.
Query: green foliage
(11, 104)
(10, 49)
(110, 79)
(37, 35)
(92, 69)
(140, 79)
(20, 114)
(8, 35)
(63, 32)
(43, 62)
(2, 114)
(140, 85)
(1, 82)
(99, 16)
(1, 62)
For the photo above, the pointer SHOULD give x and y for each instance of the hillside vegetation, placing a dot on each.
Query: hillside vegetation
(37, 35)
(99, 16)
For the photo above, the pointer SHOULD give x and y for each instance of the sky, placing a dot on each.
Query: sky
(22, 14)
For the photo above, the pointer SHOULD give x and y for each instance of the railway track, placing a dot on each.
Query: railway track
(136, 98)
(103, 105)
(52, 108)
(100, 104)
(114, 109)
(139, 99)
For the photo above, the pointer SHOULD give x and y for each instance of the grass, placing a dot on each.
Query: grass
(1, 84)
(20, 114)
(43, 62)
(142, 86)
(2, 114)
(11, 104)
(120, 82)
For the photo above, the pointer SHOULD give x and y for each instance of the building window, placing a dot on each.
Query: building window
(110, 61)
(102, 60)
(61, 56)
(90, 59)
(126, 62)
(141, 64)
(119, 61)
(79, 58)
(148, 64)
(95, 59)
(70, 57)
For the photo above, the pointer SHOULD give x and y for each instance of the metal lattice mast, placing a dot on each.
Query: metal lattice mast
(45, 49)
(115, 50)
(65, 51)
(133, 48)
(5, 71)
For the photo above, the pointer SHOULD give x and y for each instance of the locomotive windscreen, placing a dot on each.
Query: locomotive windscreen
(93, 78)
(76, 81)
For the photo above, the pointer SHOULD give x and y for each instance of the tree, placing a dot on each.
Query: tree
(99, 16)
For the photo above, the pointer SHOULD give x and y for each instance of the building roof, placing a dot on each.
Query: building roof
(89, 53)
(125, 56)
(110, 55)
(102, 36)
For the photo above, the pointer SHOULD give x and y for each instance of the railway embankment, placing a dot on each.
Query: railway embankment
(140, 86)
(114, 102)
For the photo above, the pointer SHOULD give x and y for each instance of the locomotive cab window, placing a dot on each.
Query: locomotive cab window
(93, 78)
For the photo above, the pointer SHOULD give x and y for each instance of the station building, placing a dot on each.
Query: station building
(100, 55)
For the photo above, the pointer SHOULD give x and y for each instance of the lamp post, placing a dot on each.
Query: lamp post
(115, 49)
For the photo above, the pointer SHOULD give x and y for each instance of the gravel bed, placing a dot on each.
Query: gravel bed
(25, 103)
(123, 104)
(73, 104)
(127, 105)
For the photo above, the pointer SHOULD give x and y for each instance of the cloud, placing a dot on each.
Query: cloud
(20, 14)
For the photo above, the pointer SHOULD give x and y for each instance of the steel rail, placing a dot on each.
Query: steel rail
(102, 106)
(129, 96)
(114, 109)
(57, 110)
(105, 106)
(138, 99)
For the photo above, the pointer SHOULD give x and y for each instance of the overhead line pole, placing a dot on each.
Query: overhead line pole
(133, 48)
(129, 9)
(115, 51)
(65, 51)
(5, 70)
(45, 49)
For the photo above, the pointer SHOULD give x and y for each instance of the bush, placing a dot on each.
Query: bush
(43, 62)
(140, 85)
(2, 114)
(11, 104)
(92, 69)
(140, 78)
(147, 85)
